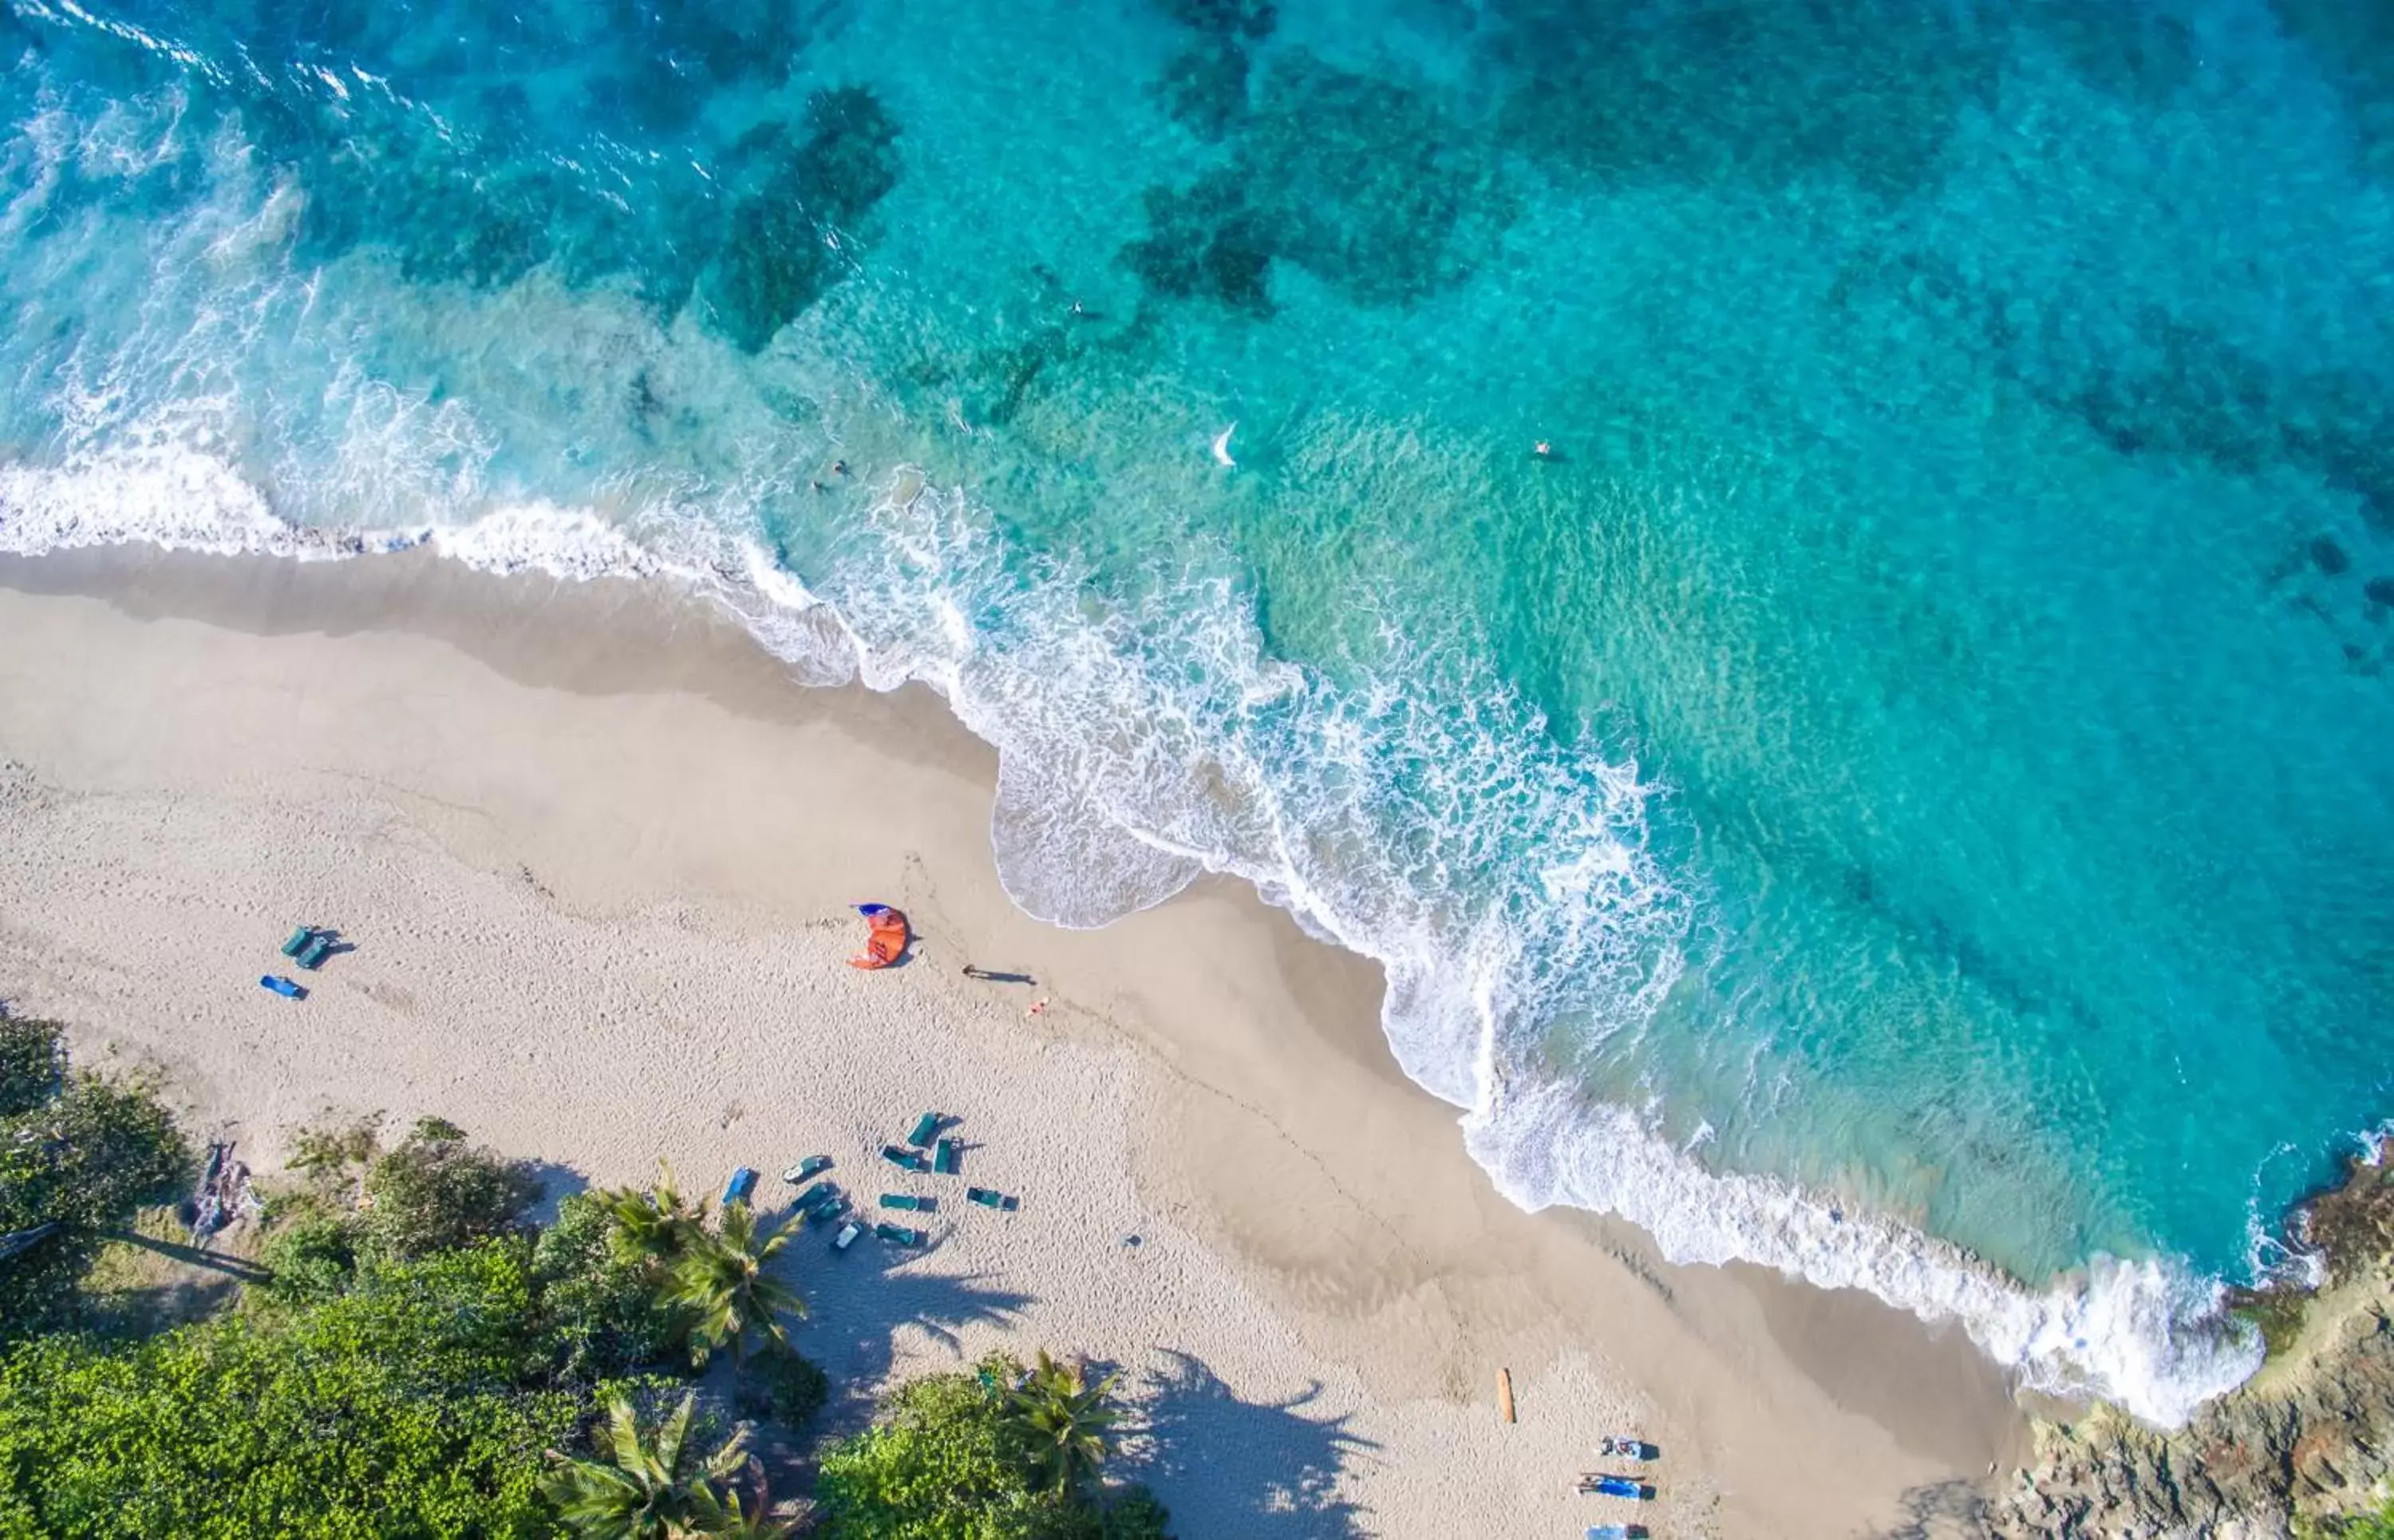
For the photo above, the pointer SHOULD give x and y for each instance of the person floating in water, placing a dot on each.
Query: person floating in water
(1546, 449)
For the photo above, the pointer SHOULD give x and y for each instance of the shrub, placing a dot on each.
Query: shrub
(311, 1252)
(436, 1193)
(1134, 1514)
(944, 1462)
(33, 1060)
(784, 1385)
(602, 1313)
(331, 1158)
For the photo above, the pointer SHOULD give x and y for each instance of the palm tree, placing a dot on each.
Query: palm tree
(655, 1226)
(755, 1523)
(721, 1287)
(650, 1486)
(1063, 1422)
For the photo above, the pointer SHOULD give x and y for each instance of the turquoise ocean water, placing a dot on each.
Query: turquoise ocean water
(1902, 794)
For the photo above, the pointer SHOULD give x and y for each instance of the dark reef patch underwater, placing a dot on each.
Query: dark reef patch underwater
(1901, 795)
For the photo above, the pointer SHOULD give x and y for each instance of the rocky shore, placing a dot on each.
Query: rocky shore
(2306, 1448)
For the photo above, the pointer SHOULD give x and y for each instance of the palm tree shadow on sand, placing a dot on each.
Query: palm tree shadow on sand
(1230, 1467)
(860, 1301)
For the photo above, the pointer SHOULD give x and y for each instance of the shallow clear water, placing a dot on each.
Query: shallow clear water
(1916, 752)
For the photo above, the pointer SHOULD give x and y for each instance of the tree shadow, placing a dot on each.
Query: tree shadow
(1943, 1510)
(215, 1261)
(859, 1298)
(552, 1184)
(1230, 1467)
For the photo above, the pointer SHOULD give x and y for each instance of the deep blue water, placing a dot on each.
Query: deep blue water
(1920, 743)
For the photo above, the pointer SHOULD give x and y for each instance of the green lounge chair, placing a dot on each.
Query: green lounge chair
(948, 1158)
(898, 1236)
(908, 1199)
(907, 1158)
(924, 1127)
(806, 1170)
(822, 1203)
(298, 941)
(987, 1197)
(312, 956)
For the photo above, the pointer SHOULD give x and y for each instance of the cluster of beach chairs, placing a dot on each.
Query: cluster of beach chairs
(926, 1151)
(309, 946)
(1602, 1484)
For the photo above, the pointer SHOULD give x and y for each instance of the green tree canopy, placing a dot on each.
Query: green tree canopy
(1063, 1424)
(79, 1154)
(947, 1462)
(649, 1482)
(605, 1315)
(719, 1284)
(405, 1407)
(653, 1227)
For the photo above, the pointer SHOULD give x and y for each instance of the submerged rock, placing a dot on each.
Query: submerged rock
(787, 238)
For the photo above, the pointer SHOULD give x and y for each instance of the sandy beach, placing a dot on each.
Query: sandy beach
(595, 849)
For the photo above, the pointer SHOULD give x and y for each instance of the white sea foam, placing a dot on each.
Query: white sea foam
(1120, 782)
(2146, 1335)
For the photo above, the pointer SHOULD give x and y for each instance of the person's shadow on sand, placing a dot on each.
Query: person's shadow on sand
(1230, 1466)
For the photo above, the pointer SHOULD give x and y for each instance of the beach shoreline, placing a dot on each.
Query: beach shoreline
(625, 792)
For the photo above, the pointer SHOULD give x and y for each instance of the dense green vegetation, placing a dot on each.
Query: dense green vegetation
(412, 1404)
(976, 1458)
(419, 1358)
(79, 1154)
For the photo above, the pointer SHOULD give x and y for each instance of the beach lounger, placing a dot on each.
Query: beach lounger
(1616, 1532)
(741, 1186)
(924, 1127)
(847, 1236)
(823, 1203)
(988, 1197)
(282, 986)
(298, 941)
(898, 1236)
(1628, 1448)
(906, 1158)
(312, 956)
(908, 1199)
(1616, 1486)
(948, 1158)
(806, 1170)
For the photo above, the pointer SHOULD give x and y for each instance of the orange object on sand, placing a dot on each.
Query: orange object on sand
(885, 941)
